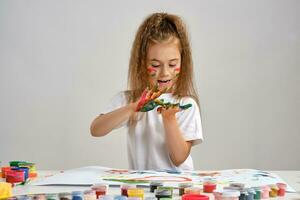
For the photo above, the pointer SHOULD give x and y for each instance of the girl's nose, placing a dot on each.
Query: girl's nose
(165, 71)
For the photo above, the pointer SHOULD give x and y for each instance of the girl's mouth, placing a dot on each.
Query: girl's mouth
(163, 82)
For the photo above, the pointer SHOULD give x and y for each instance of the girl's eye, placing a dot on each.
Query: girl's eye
(172, 65)
(155, 65)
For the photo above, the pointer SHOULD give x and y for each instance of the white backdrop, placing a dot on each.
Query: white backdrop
(62, 61)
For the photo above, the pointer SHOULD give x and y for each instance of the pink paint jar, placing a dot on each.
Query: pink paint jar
(281, 189)
(265, 192)
(218, 194)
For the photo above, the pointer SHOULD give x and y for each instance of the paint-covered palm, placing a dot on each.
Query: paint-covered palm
(149, 100)
(146, 102)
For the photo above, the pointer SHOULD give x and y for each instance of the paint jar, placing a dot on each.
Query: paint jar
(192, 190)
(182, 186)
(65, 196)
(52, 196)
(243, 195)
(136, 192)
(273, 191)
(26, 171)
(217, 194)
(24, 197)
(100, 189)
(77, 195)
(150, 198)
(15, 176)
(106, 197)
(4, 170)
(163, 192)
(40, 197)
(232, 188)
(257, 194)
(281, 189)
(265, 192)
(251, 193)
(125, 187)
(230, 195)
(154, 185)
(11, 198)
(237, 185)
(89, 195)
(209, 187)
(194, 197)
(120, 197)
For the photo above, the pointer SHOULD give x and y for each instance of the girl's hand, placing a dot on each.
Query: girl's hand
(169, 112)
(145, 103)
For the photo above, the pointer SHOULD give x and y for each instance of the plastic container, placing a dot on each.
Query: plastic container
(209, 187)
(100, 189)
(230, 195)
(163, 192)
(136, 192)
(281, 189)
(182, 186)
(154, 185)
(194, 197)
(125, 187)
(192, 190)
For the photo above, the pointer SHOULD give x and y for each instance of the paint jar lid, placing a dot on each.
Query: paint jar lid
(230, 193)
(273, 186)
(135, 191)
(238, 185)
(52, 196)
(164, 191)
(265, 188)
(134, 198)
(194, 197)
(77, 193)
(106, 197)
(120, 197)
(156, 183)
(231, 188)
(150, 198)
(251, 190)
(99, 186)
(185, 184)
(281, 185)
(128, 186)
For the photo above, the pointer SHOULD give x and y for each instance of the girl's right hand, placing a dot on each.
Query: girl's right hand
(146, 98)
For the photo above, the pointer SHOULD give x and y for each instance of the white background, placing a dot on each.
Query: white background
(62, 61)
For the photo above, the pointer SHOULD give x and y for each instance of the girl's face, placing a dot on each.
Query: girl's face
(163, 64)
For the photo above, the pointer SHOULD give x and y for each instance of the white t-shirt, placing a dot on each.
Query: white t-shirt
(146, 144)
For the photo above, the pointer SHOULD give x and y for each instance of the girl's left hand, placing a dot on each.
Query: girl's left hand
(168, 112)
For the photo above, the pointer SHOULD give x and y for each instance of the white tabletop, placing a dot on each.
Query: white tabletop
(290, 177)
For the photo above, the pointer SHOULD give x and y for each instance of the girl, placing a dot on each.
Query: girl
(161, 57)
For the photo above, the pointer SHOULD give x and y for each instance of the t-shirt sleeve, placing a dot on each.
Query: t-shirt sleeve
(190, 122)
(118, 101)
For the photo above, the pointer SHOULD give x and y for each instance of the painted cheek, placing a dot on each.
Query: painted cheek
(177, 71)
(151, 71)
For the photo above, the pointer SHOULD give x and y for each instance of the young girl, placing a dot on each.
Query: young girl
(160, 58)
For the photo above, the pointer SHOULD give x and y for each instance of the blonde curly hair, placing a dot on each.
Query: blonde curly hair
(157, 28)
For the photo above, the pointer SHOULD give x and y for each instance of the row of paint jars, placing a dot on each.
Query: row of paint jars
(237, 191)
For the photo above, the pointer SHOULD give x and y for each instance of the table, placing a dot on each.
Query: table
(291, 177)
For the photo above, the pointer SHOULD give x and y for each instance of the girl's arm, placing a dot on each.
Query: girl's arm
(105, 123)
(178, 148)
